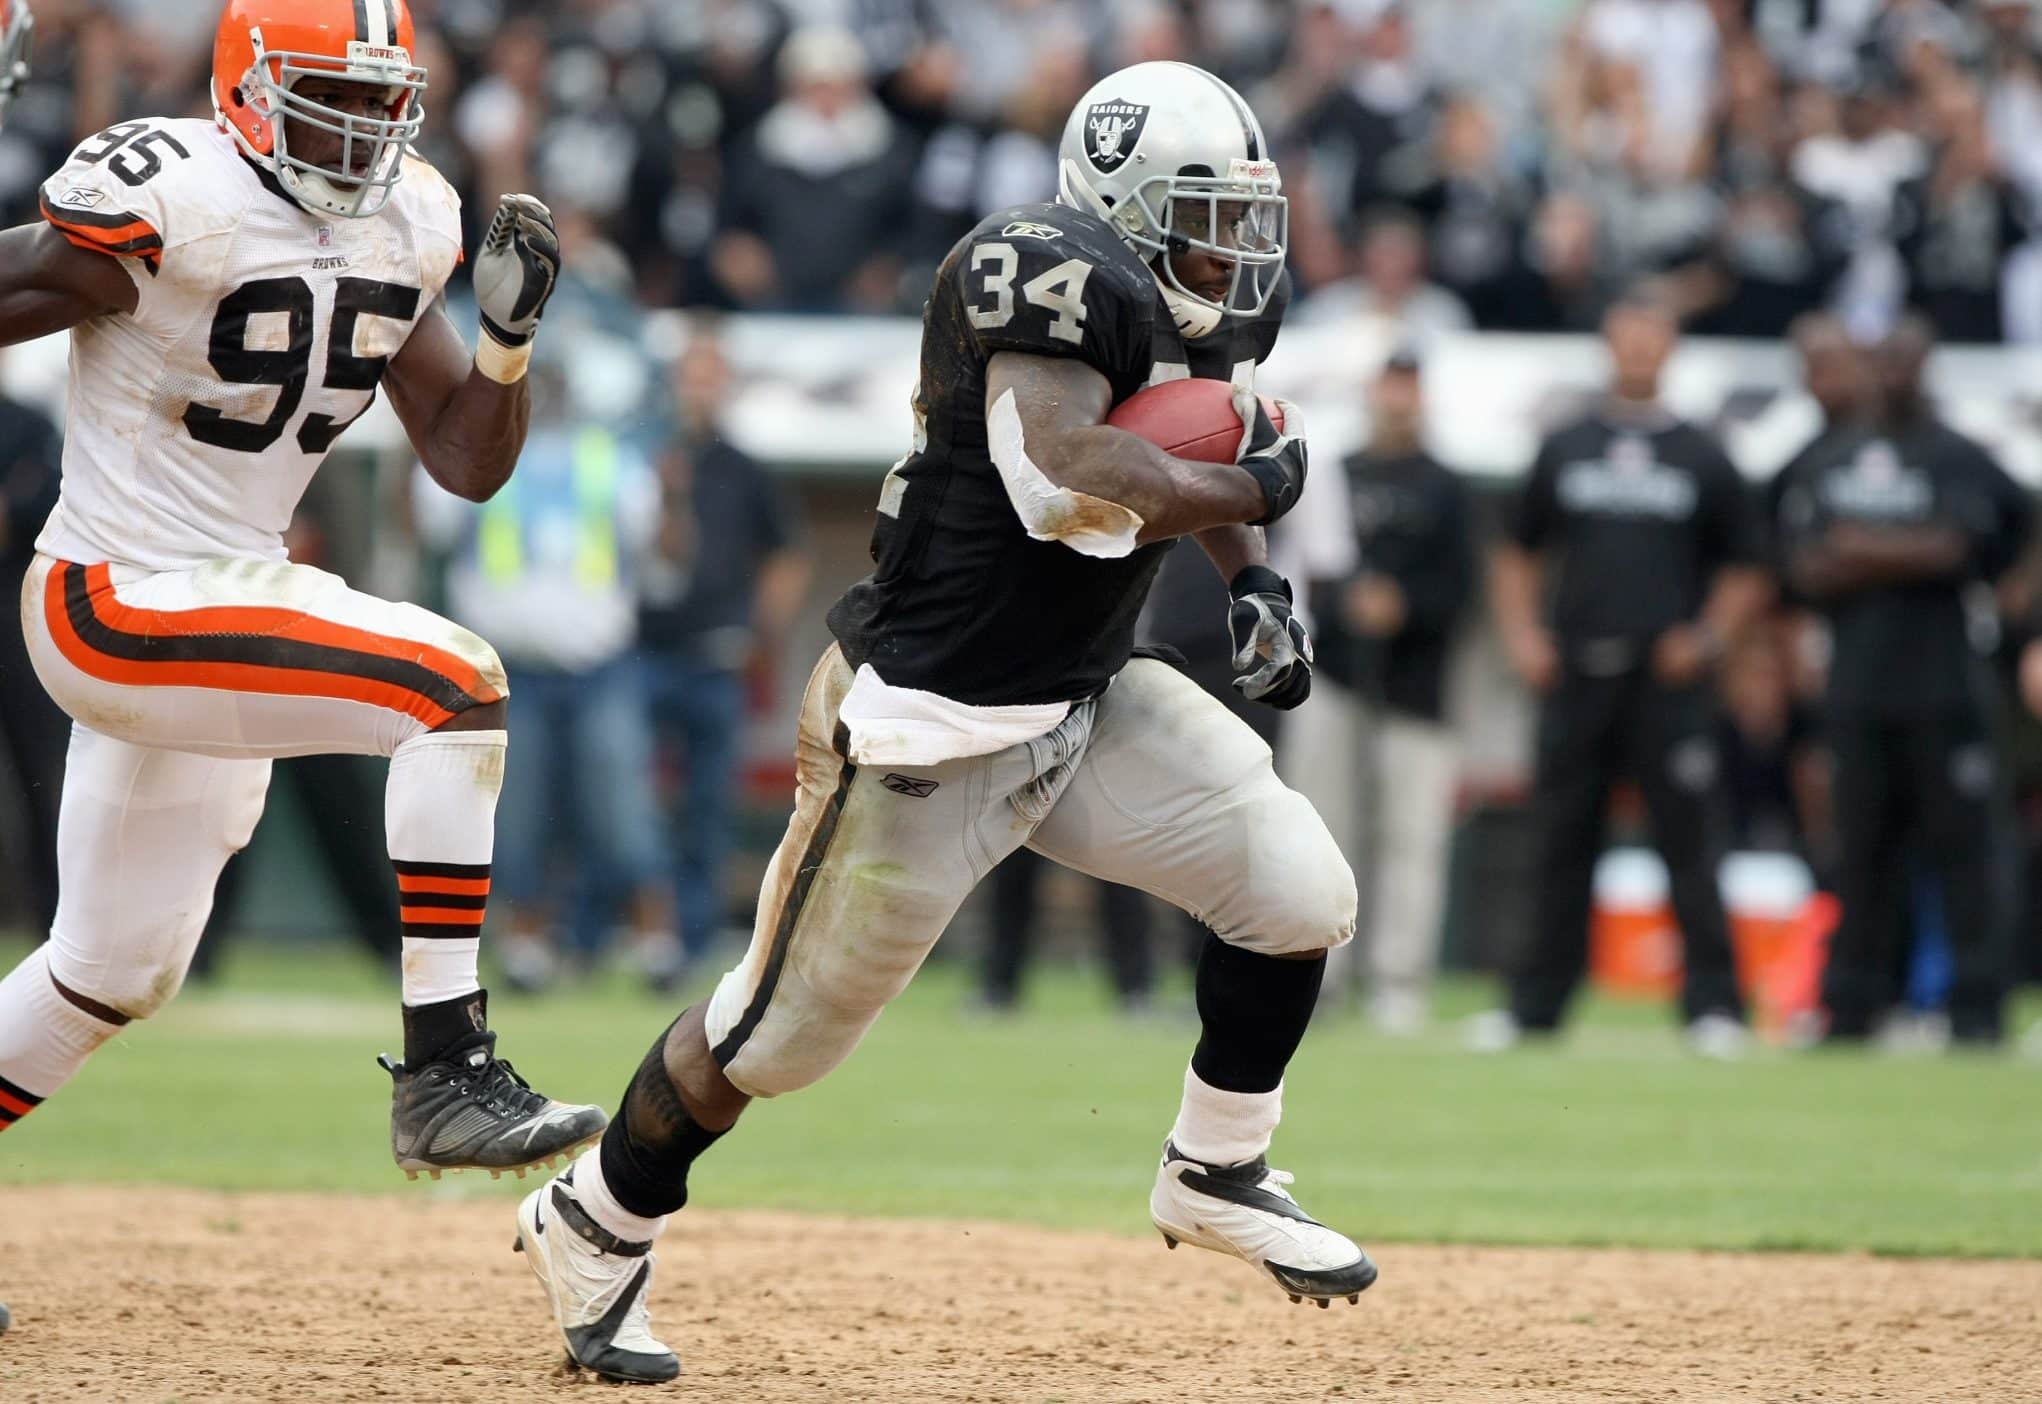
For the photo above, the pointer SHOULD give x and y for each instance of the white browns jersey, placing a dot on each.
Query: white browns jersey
(261, 331)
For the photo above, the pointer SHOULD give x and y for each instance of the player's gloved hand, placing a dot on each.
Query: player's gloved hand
(514, 275)
(1275, 458)
(1261, 626)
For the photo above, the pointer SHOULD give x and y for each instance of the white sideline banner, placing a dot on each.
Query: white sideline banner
(831, 393)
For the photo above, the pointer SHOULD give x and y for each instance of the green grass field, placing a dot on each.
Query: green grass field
(1054, 1117)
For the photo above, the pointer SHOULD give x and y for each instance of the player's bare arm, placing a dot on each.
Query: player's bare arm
(1851, 557)
(467, 417)
(1514, 591)
(466, 428)
(1232, 549)
(1059, 405)
(48, 285)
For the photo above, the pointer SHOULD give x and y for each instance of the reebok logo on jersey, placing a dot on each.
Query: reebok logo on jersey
(911, 786)
(1029, 229)
(1115, 127)
(79, 197)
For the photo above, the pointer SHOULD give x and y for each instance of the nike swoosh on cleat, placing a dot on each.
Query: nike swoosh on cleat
(1248, 1196)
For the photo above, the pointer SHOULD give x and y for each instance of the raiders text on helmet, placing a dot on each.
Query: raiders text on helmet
(266, 48)
(1173, 159)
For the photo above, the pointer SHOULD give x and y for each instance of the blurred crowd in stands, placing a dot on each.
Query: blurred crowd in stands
(1505, 164)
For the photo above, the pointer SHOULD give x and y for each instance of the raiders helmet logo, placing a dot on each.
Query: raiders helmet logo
(1116, 128)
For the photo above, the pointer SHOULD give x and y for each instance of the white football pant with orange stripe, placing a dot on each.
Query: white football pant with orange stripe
(182, 686)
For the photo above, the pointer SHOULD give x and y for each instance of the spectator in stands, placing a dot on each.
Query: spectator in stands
(498, 117)
(1658, 66)
(1385, 632)
(1854, 153)
(34, 732)
(1563, 283)
(1631, 100)
(1497, 48)
(2013, 90)
(1956, 223)
(551, 568)
(1477, 206)
(814, 194)
(1369, 107)
(1387, 298)
(724, 580)
(1647, 527)
(1886, 530)
(1768, 262)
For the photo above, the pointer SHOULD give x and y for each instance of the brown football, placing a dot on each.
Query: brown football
(1188, 418)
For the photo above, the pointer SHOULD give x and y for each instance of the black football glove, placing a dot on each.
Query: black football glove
(515, 272)
(1274, 458)
(1261, 626)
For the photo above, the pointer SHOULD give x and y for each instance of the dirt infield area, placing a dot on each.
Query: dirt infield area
(144, 1296)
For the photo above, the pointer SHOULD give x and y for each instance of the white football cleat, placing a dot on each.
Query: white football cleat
(1245, 1212)
(1720, 1036)
(597, 1283)
(1492, 1031)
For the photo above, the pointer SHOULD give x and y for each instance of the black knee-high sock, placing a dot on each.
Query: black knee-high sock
(1254, 1009)
(652, 1141)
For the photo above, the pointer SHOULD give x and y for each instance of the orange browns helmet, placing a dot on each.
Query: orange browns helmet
(15, 26)
(265, 48)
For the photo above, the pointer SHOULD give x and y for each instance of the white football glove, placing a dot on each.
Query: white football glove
(515, 272)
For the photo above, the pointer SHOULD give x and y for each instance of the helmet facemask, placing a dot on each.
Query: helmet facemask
(1244, 224)
(16, 41)
(1241, 218)
(372, 149)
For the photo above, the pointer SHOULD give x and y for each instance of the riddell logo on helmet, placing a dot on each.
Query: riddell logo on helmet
(358, 52)
(1116, 127)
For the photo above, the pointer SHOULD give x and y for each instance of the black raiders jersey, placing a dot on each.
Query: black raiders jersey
(962, 601)
(1902, 648)
(1642, 513)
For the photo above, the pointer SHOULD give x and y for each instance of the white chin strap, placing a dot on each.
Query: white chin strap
(318, 194)
(1194, 319)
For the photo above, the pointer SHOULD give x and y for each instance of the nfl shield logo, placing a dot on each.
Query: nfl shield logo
(323, 236)
(1115, 129)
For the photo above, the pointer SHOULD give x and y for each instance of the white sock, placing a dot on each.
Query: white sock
(44, 1038)
(1225, 1128)
(440, 814)
(594, 1193)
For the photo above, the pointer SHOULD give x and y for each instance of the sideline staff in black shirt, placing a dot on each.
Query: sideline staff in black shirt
(1886, 527)
(1645, 532)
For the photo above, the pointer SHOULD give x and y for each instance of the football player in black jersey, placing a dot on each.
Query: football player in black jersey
(1888, 526)
(1642, 528)
(984, 693)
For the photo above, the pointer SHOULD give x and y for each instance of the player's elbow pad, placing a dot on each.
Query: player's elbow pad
(1089, 525)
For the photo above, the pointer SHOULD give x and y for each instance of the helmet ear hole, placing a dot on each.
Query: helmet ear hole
(239, 100)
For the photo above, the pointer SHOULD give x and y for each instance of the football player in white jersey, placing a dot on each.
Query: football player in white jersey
(236, 291)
